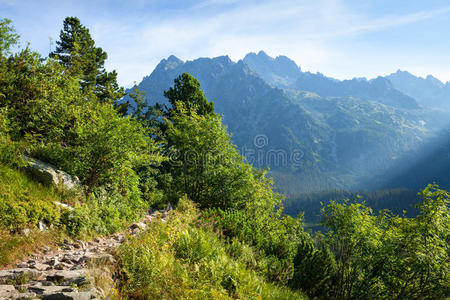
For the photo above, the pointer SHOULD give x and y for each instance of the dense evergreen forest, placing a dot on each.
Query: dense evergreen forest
(228, 237)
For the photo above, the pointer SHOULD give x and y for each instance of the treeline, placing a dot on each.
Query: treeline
(228, 237)
(399, 201)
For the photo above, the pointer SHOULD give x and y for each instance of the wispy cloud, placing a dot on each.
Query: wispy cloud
(319, 35)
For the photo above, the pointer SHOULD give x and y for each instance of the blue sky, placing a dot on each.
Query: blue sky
(342, 39)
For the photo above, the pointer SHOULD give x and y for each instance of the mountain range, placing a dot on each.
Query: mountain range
(313, 131)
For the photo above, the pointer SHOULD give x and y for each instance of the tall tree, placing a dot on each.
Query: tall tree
(76, 50)
(187, 90)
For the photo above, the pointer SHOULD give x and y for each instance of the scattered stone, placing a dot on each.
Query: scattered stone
(22, 265)
(56, 273)
(52, 262)
(51, 289)
(40, 267)
(22, 296)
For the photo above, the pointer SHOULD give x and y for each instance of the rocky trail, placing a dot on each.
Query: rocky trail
(68, 272)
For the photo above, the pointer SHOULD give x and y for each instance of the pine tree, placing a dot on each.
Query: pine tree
(77, 52)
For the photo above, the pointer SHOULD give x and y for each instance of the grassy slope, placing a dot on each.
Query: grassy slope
(184, 258)
(23, 203)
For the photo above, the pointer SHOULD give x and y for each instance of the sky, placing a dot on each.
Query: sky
(341, 39)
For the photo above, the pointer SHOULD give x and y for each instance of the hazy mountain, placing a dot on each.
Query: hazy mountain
(306, 139)
(284, 73)
(430, 92)
(250, 107)
(279, 72)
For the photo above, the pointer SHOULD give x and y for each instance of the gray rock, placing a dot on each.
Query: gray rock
(25, 231)
(64, 205)
(52, 262)
(42, 226)
(14, 274)
(68, 277)
(50, 175)
(40, 267)
(68, 296)
(6, 290)
(100, 259)
(51, 289)
(139, 225)
(22, 296)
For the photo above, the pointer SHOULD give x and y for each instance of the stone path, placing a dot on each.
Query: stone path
(64, 273)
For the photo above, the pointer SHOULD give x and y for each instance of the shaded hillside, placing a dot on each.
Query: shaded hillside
(430, 163)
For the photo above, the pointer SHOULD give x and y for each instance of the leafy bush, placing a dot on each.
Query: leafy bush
(389, 256)
(103, 212)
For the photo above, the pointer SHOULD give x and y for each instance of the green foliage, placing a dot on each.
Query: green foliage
(102, 213)
(206, 165)
(187, 91)
(391, 257)
(178, 260)
(8, 37)
(195, 245)
(76, 51)
(46, 114)
(23, 203)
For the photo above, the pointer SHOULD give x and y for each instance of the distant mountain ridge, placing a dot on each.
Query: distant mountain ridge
(339, 137)
(284, 73)
(429, 92)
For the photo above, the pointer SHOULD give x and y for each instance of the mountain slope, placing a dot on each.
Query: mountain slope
(250, 107)
(316, 142)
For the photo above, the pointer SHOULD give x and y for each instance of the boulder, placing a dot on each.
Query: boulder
(48, 174)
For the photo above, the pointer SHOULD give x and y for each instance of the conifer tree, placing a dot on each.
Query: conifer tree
(76, 51)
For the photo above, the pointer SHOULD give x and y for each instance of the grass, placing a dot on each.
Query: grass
(16, 247)
(23, 202)
(184, 259)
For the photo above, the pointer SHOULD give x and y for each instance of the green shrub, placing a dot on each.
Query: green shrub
(103, 212)
(23, 203)
(178, 260)
(195, 245)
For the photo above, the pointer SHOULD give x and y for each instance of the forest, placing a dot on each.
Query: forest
(228, 236)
